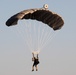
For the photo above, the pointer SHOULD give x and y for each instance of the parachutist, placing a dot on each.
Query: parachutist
(36, 62)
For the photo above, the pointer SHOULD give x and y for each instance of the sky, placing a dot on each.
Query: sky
(56, 58)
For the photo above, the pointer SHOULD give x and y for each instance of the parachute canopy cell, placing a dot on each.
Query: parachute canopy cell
(44, 15)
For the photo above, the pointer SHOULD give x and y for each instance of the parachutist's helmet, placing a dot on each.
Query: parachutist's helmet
(45, 6)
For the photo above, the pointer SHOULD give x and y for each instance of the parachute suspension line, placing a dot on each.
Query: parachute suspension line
(42, 36)
(29, 35)
(39, 36)
(22, 30)
(36, 35)
(45, 37)
(32, 35)
(35, 38)
(51, 37)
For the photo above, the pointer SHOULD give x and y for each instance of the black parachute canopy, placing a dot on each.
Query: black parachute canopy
(44, 15)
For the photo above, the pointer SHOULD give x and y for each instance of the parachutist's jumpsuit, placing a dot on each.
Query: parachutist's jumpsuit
(36, 62)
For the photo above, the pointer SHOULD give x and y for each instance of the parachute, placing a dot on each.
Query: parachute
(43, 14)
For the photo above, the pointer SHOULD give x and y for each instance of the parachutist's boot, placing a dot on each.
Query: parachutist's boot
(36, 68)
(32, 68)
